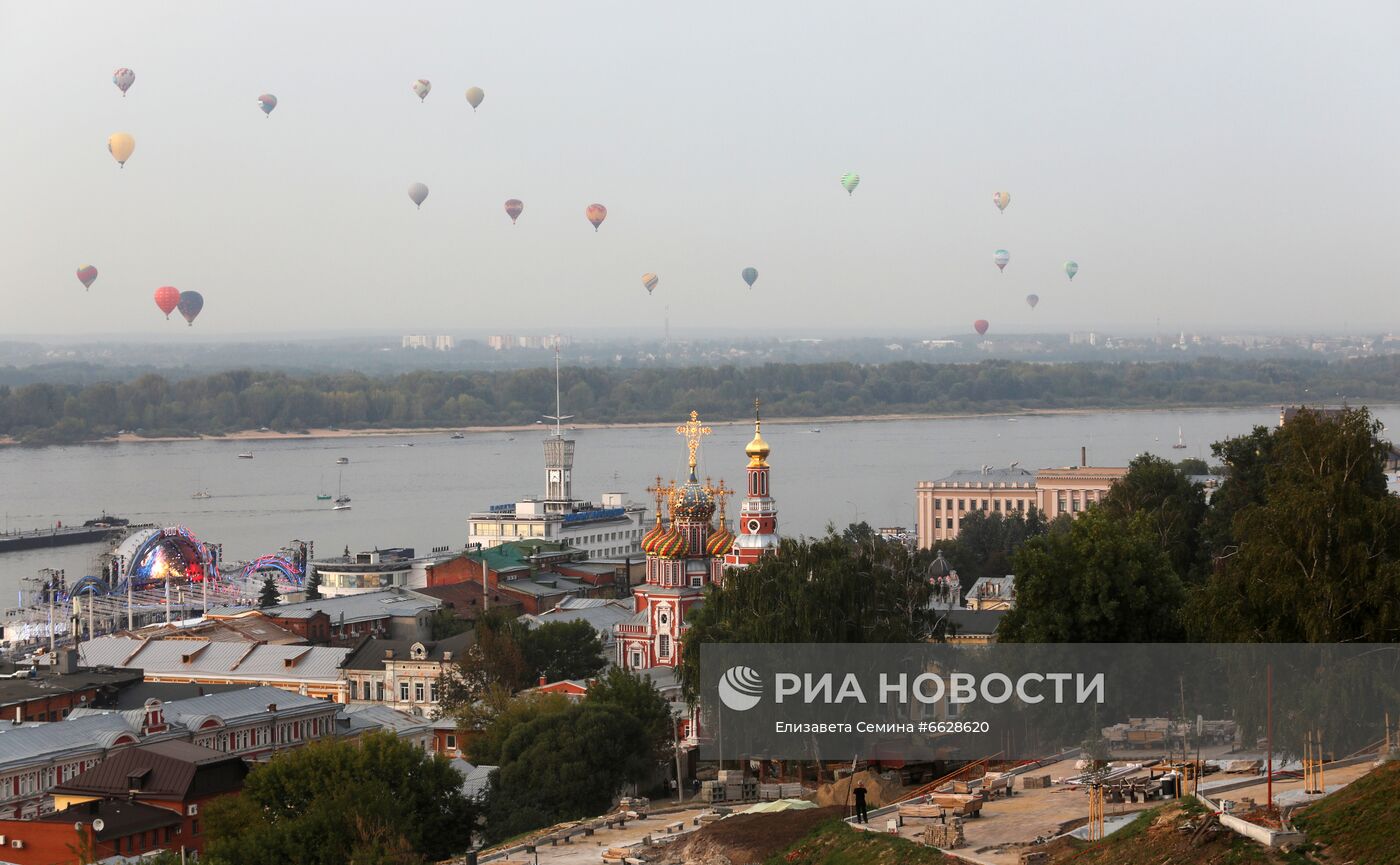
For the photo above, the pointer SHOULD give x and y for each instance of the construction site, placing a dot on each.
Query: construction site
(1216, 804)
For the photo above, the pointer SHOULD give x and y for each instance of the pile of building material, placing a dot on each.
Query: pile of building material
(945, 836)
(770, 792)
(730, 785)
(1035, 782)
(1145, 733)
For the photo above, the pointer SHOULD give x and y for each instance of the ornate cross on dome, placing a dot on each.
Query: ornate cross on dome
(693, 430)
(720, 492)
(662, 493)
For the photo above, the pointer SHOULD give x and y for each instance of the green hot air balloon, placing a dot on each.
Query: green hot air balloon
(1071, 268)
(750, 275)
(850, 180)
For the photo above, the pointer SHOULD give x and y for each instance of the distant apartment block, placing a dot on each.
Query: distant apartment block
(441, 342)
(941, 505)
(505, 342)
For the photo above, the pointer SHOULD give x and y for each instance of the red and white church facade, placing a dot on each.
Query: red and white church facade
(691, 550)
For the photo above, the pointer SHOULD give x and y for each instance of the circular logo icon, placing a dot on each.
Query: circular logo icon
(740, 688)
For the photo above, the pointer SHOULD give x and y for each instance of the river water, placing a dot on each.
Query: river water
(419, 496)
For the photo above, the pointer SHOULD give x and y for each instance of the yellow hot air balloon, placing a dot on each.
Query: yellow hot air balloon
(121, 146)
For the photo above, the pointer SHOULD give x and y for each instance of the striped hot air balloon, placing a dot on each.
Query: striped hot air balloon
(267, 102)
(87, 275)
(123, 78)
(1000, 258)
(1001, 199)
(850, 180)
(649, 281)
(1071, 268)
(514, 207)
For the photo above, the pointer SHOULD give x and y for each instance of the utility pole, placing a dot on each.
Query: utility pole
(676, 743)
(1269, 714)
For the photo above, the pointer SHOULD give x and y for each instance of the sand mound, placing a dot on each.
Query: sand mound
(879, 791)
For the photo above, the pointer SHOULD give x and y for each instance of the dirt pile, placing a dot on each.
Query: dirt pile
(879, 791)
(744, 839)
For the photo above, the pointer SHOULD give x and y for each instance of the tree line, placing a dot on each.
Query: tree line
(226, 402)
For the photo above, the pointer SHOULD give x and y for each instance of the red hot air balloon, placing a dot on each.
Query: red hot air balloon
(167, 298)
(980, 325)
(87, 276)
(596, 214)
(514, 206)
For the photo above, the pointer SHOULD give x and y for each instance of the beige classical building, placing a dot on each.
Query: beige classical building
(942, 504)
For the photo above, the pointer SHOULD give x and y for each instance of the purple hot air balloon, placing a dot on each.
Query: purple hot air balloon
(191, 302)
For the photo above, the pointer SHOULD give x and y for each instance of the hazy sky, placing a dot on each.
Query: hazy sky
(1212, 165)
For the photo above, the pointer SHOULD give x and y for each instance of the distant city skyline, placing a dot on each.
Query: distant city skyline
(1211, 168)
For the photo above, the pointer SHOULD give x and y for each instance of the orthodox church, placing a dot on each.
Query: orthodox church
(688, 548)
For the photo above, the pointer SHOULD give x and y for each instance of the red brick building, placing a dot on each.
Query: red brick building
(105, 828)
(174, 775)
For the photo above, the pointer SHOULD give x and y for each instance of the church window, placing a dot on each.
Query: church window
(663, 646)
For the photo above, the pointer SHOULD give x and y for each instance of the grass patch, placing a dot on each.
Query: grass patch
(1361, 822)
(835, 843)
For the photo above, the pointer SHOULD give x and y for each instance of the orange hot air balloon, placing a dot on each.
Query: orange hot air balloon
(596, 214)
(980, 325)
(514, 207)
(167, 298)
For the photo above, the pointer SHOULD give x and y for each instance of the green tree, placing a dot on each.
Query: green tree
(564, 766)
(987, 542)
(313, 586)
(495, 659)
(635, 694)
(563, 650)
(504, 717)
(269, 596)
(1316, 538)
(445, 623)
(1102, 581)
(1172, 505)
(827, 590)
(375, 801)
(1193, 467)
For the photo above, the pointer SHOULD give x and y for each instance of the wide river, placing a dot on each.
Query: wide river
(419, 496)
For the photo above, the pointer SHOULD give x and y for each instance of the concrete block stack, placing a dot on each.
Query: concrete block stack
(945, 836)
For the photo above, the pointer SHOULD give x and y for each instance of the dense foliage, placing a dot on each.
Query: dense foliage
(375, 801)
(226, 402)
(511, 656)
(1299, 543)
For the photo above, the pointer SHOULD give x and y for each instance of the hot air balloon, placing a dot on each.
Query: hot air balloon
(191, 302)
(596, 214)
(121, 146)
(87, 275)
(1032, 299)
(267, 102)
(167, 298)
(513, 208)
(1071, 268)
(417, 193)
(421, 88)
(1001, 257)
(123, 78)
(980, 325)
(649, 281)
(750, 275)
(1001, 199)
(475, 95)
(850, 180)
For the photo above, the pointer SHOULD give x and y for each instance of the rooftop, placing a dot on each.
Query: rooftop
(248, 629)
(234, 660)
(366, 606)
(600, 613)
(464, 598)
(45, 683)
(161, 770)
(119, 817)
(363, 717)
(372, 653)
(515, 555)
(974, 623)
(989, 476)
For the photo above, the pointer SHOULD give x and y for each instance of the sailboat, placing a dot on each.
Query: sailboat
(323, 496)
(342, 501)
(200, 492)
(1180, 442)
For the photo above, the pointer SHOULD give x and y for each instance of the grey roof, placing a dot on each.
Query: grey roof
(989, 477)
(362, 607)
(975, 622)
(534, 587)
(24, 745)
(601, 615)
(135, 696)
(369, 655)
(475, 779)
(205, 657)
(373, 716)
(230, 707)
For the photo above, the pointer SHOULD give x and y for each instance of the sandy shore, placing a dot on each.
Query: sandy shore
(327, 433)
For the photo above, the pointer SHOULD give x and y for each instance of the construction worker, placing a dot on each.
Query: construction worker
(862, 812)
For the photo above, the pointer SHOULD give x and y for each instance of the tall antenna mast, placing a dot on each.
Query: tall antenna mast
(558, 417)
